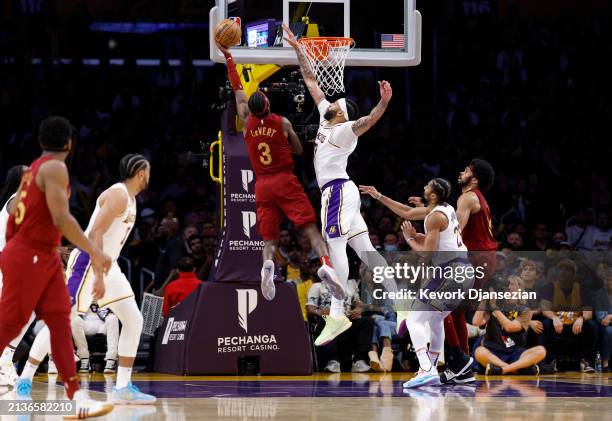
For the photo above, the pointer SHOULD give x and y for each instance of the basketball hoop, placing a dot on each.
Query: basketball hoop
(326, 56)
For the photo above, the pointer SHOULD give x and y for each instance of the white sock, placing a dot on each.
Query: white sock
(7, 355)
(336, 310)
(124, 375)
(424, 360)
(29, 370)
(81, 395)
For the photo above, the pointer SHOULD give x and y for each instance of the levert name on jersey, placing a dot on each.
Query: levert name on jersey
(263, 131)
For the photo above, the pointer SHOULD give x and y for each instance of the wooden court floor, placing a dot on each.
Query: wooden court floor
(352, 397)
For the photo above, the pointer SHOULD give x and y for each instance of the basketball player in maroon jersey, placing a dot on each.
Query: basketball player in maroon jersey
(31, 265)
(476, 226)
(270, 141)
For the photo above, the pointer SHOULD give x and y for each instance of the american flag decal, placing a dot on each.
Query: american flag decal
(392, 41)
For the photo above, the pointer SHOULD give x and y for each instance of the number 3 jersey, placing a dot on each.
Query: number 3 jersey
(119, 230)
(267, 145)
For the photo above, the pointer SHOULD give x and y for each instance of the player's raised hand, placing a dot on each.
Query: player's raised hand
(371, 190)
(416, 201)
(385, 90)
(408, 230)
(224, 50)
(290, 37)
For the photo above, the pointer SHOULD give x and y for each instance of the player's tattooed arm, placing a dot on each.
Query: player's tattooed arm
(309, 78)
(294, 140)
(363, 124)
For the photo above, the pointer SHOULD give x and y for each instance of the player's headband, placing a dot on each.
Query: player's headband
(266, 105)
(342, 104)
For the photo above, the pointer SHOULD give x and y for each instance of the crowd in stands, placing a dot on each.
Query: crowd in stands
(529, 95)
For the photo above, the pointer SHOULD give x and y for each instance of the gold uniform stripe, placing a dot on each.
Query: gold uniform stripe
(115, 300)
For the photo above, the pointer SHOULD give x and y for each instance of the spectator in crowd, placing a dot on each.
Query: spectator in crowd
(602, 237)
(292, 271)
(515, 239)
(603, 313)
(282, 252)
(567, 308)
(356, 341)
(96, 321)
(375, 239)
(209, 230)
(171, 249)
(559, 237)
(188, 232)
(504, 349)
(309, 276)
(201, 260)
(308, 253)
(580, 235)
(540, 238)
(391, 242)
(180, 288)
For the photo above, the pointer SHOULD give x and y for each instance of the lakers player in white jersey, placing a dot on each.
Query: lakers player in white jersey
(8, 375)
(109, 228)
(443, 247)
(343, 224)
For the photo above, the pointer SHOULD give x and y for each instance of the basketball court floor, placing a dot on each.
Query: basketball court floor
(568, 396)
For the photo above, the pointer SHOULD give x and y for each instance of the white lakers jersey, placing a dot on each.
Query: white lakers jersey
(333, 145)
(450, 238)
(118, 232)
(4, 217)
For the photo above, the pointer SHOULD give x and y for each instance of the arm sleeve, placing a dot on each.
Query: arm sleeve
(322, 107)
(343, 135)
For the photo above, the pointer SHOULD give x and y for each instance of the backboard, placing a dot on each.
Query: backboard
(396, 22)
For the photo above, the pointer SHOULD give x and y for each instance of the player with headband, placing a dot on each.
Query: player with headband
(270, 141)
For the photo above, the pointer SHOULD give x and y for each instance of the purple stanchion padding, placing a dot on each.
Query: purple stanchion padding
(171, 340)
(225, 321)
(229, 318)
(240, 245)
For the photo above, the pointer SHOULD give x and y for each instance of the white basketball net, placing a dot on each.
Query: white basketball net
(326, 57)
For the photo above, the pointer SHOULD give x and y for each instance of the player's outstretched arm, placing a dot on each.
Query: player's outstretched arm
(403, 211)
(364, 123)
(309, 78)
(294, 140)
(232, 74)
(53, 181)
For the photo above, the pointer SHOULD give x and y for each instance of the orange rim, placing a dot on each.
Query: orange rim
(343, 41)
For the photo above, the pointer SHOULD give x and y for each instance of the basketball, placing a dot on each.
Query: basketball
(228, 33)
